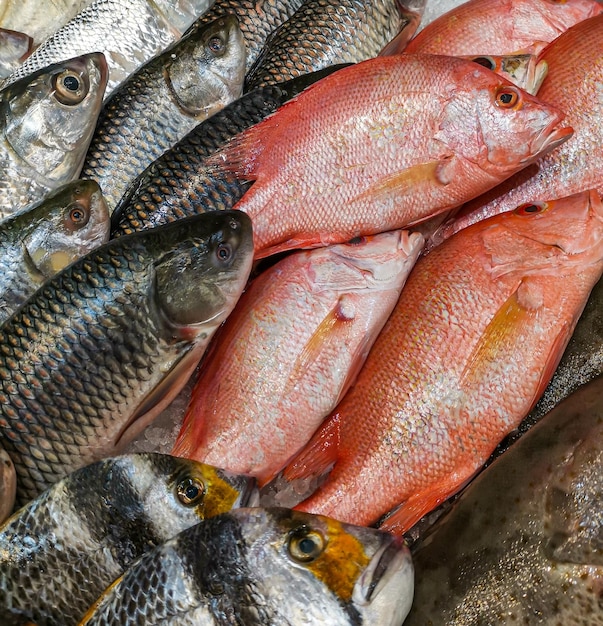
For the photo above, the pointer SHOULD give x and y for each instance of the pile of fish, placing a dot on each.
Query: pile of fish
(339, 256)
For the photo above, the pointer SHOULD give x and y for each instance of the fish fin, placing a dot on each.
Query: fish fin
(319, 455)
(398, 44)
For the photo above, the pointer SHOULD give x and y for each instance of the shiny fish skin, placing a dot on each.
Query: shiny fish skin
(523, 543)
(128, 32)
(327, 32)
(178, 184)
(43, 142)
(8, 485)
(243, 568)
(15, 47)
(163, 101)
(62, 550)
(44, 238)
(97, 344)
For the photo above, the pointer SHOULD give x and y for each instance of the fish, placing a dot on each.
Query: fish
(264, 566)
(15, 47)
(144, 28)
(8, 485)
(163, 101)
(411, 157)
(572, 80)
(63, 549)
(523, 542)
(475, 337)
(39, 18)
(322, 33)
(500, 26)
(48, 121)
(179, 184)
(101, 348)
(41, 240)
(290, 350)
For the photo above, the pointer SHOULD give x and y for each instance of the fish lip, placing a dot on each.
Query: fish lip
(548, 139)
(250, 495)
(391, 556)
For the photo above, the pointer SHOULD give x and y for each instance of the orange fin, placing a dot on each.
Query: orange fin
(319, 455)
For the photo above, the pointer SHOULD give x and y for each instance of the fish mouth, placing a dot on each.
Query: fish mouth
(548, 139)
(250, 495)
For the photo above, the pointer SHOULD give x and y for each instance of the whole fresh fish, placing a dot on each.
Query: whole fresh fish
(15, 47)
(264, 566)
(128, 32)
(572, 82)
(475, 337)
(523, 543)
(39, 18)
(61, 551)
(163, 101)
(500, 26)
(40, 241)
(100, 349)
(326, 32)
(46, 125)
(8, 485)
(291, 349)
(382, 145)
(179, 184)
(257, 19)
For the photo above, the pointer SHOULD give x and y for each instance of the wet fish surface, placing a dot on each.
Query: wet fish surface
(15, 47)
(163, 101)
(523, 543)
(62, 550)
(40, 241)
(8, 485)
(46, 127)
(100, 349)
(262, 567)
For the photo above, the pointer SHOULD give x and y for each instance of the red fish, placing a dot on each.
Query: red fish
(384, 144)
(500, 26)
(476, 335)
(290, 350)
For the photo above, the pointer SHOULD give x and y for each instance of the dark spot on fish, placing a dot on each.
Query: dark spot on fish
(190, 491)
(485, 62)
(216, 45)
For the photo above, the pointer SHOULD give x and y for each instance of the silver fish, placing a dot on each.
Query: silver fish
(40, 241)
(163, 101)
(61, 551)
(128, 32)
(46, 125)
(260, 567)
(15, 47)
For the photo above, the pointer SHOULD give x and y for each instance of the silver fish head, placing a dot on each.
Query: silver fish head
(199, 280)
(70, 222)
(206, 71)
(50, 115)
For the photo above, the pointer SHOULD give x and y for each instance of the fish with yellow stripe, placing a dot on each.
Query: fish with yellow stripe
(61, 551)
(264, 567)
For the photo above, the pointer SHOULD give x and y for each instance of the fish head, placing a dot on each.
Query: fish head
(70, 222)
(524, 70)
(50, 115)
(328, 570)
(495, 124)
(545, 236)
(206, 71)
(202, 265)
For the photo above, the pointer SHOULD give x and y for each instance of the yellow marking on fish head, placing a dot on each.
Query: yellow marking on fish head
(93, 607)
(220, 495)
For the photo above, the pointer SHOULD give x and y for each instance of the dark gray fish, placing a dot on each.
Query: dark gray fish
(327, 32)
(163, 101)
(8, 485)
(257, 19)
(41, 240)
(15, 47)
(104, 346)
(265, 567)
(61, 551)
(46, 124)
(178, 184)
(128, 32)
(524, 543)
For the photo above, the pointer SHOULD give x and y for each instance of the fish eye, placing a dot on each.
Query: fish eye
(190, 491)
(485, 62)
(70, 88)
(356, 241)
(224, 252)
(78, 214)
(507, 97)
(216, 45)
(531, 208)
(306, 545)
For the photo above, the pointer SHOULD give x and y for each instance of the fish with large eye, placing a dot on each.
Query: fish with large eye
(83, 526)
(305, 545)
(70, 87)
